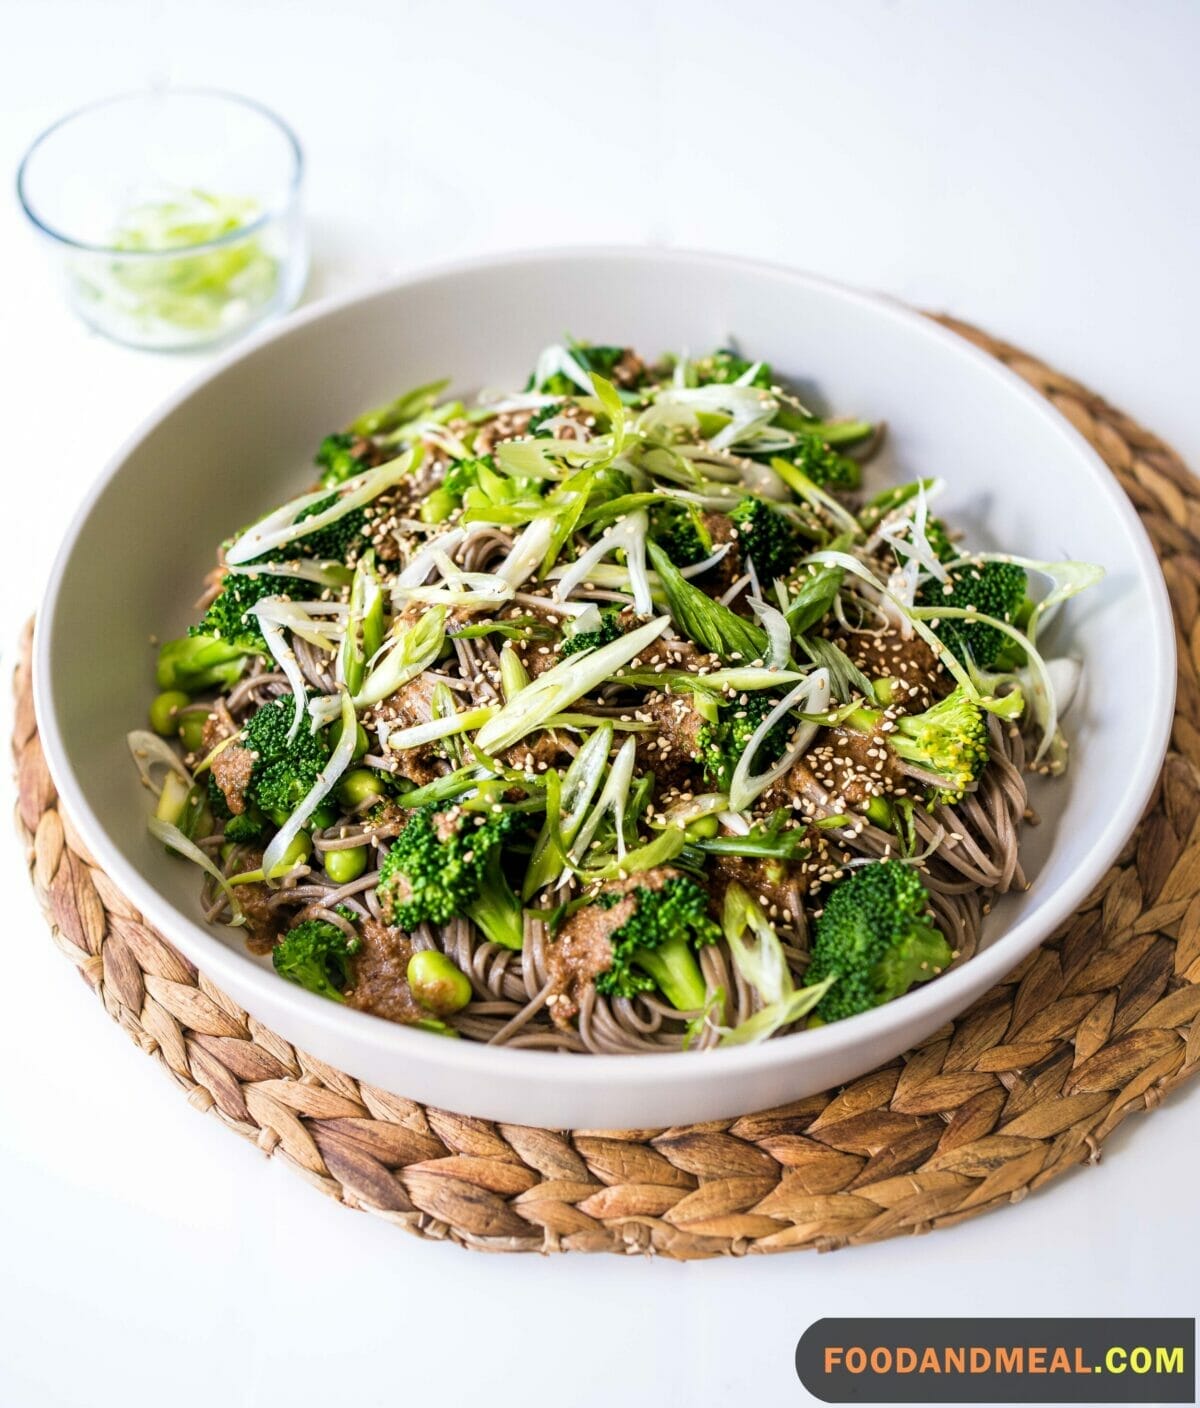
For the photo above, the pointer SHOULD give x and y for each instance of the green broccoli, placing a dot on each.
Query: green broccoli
(317, 955)
(557, 385)
(285, 771)
(724, 366)
(216, 798)
(337, 460)
(877, 937)
(1012, 655)
(446, 862)
(591, 359)
(214, 651)
(598, 359)
(679, 529)
(939, 540)
(230, 614)
(609, 629)
(248, 826)
(540, 417)
(334, 542)
(949, 740)
(722, 743)
(766, 537)
(654, 947)
(824, 465)
(991, 588)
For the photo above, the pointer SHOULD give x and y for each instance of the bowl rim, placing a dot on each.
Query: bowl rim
(164, 93)
(225, 963)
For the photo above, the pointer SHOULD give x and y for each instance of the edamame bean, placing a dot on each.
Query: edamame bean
(346, 865)
(359, 786)
(298, 851)
(704, 828)
(164, 712)
(437, 983)
(191, 730)
(361, 741)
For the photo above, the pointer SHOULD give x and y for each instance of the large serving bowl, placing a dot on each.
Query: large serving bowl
(240, 439)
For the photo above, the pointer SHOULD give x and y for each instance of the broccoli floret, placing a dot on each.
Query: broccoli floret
(939, 540)
(539, 418)
(337, 459)
(949, 740)
(722, 744)
(824, 466)
(725, 366)
(654, 947)
(993, 589)
(284, 771)
(249, 826)
(557, 385)
(610, 628)
(317, 955)
(195, 663)
(678, 528)
(446, 862)
(336, 541)
(216, 799)
(230, 614)
(591, 359)
(876, 936)
(214, 651)
(598, 359)
(766, 537)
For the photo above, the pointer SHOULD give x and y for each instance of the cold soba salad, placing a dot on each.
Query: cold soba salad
(610, 714)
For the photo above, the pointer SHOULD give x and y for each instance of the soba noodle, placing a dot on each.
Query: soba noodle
(967, 850)
(975, 858)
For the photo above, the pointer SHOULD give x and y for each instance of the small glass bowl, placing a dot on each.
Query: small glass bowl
(173, 217)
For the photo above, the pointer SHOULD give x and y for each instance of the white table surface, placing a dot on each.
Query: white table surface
(1028, 166)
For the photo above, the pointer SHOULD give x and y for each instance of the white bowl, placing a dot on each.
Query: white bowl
(240, 439)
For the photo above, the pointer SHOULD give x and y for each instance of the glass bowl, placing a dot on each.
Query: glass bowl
(173, 217)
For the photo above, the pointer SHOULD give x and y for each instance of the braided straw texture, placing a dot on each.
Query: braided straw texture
(1099, 1022)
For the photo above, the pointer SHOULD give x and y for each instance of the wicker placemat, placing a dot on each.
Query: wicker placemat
(1101, 1021)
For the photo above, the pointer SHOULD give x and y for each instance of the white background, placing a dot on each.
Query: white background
(1032, 166)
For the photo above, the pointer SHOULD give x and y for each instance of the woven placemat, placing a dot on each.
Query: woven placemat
(1099, 1022)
